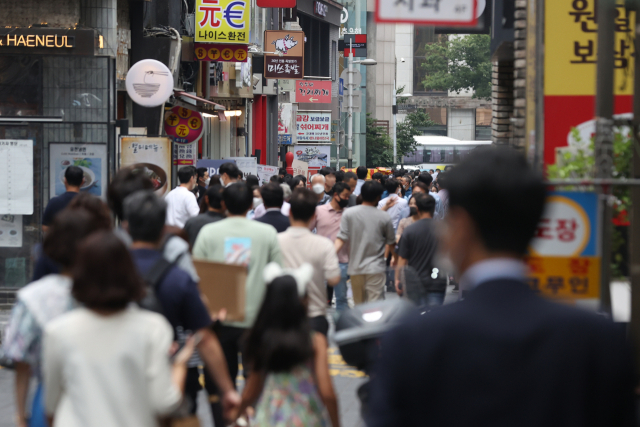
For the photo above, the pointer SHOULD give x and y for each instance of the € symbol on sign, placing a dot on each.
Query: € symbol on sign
(172, 120)
(182, 130)
(227, 54)
(195, 123)
(184, 112)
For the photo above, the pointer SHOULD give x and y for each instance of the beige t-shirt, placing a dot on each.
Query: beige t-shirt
(299, 245)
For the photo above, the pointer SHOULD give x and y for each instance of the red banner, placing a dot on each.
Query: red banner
(221, 52)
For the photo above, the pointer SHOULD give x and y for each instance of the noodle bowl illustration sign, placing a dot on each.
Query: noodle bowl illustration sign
(149, 83)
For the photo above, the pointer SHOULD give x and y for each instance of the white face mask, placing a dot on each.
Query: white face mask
(222, 181)
(318, 188)
(257, 201)
(207, 181)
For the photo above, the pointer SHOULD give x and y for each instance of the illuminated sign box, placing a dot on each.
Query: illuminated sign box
(47, 41)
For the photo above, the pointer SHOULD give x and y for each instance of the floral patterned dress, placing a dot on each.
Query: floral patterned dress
(291, 399)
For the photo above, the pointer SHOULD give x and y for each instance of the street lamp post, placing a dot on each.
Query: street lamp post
(350, 72)
(395, 124)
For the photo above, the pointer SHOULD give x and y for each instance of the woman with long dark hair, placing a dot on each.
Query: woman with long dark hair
(289, 368)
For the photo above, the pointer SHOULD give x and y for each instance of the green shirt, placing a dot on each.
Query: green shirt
(239, 240)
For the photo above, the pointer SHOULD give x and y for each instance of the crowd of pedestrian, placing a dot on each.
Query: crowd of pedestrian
(115, 331)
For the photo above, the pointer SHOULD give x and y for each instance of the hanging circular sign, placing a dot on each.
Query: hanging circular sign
(183, 125)
(149, 83)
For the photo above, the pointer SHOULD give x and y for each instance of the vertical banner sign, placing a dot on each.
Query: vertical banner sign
(428, 12)
(285, 123)
(223, 21)
(152, 156)
(313, 126)
(91, 158)
(564, 257)
(570, 71)
(288, 62)
(313, 91)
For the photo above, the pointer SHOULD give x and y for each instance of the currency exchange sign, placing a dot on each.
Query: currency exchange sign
(223, 21)
(428, 12)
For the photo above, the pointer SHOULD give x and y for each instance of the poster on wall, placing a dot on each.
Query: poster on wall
(247, 165)
(317, 156)
(185, 154)
(313, 126)
(10, 231)
(91, 158)
(265, 173)
(16, 176)
(152, 156)
(301, 168)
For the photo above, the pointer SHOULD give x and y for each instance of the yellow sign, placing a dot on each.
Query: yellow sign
(571, 33)
(565, 277)
(223, 21)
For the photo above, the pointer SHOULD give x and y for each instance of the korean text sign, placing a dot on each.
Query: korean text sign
(428, 12)
(314, 91)
(152, 156)
(564, 257)
(570, 69)
(288, 61)
(223, 21)
(313, 126)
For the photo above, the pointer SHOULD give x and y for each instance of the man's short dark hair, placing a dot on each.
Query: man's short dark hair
(361, 172)
(282, 171)
(201, 172)
(303, 178)
(303, 204)
(238, 198)
(214, 196)
(272, 195)
(391, 185)
(252, 181)
(349, 176)
(425, 178)
(503, 195)
(67, 230)
(371, 191)
(422, 186)
(74, 176)
(185, 174)
(230, 169)
(340, 176)
(339, 187)
(425, 203)
(326, 171)
(378, 175)
(126, 182)
(146, 214)
(274, 178)
(105, 276)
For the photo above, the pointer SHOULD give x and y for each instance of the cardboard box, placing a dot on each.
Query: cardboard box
(224, 287)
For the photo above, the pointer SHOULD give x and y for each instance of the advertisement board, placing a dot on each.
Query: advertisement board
(150, 155)
(91, 158)
(265, 173)
(288, 62)
(316, 156)
(212, 165)
(247, 165)
(183, 125)
(314, 91)
(217, 52)
(313, 126)
(223, 21)
(570, 71)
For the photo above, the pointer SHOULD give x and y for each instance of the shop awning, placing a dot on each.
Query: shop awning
(202, 105)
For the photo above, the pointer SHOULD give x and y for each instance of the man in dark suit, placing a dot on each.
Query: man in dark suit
(503, 356)
(273, 198)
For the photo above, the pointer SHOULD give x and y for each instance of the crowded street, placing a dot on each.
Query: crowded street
(320, 213)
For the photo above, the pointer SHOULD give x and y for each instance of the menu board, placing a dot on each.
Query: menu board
(16, 176)
(91, 158)
(150, 155)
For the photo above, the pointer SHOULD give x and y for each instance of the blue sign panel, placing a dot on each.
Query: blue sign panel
(285, 139)
(213, 165)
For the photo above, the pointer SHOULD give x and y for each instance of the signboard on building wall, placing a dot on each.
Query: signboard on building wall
(356, 41)
(285, 123)
(223, 21)
(564, 256)
(313, 126)
(221, 52)
(427, 12)
(185, 154)
(313, 91)
(152, 156)
(570, 102)
(316, 156)
(288, 63)
(213, 165)
(47, 41)
(91, 158)
(183, 125)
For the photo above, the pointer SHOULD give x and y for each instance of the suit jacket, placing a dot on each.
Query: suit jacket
(279, 221)
(503, 357)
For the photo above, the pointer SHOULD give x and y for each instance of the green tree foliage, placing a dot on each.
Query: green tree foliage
(580, 164)
(412, 126)
(379, 146)
(458, 64)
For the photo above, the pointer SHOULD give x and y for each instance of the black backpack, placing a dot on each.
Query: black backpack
(152, 279)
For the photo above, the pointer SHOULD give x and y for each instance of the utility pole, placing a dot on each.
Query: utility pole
(604, 135)
(350, 109)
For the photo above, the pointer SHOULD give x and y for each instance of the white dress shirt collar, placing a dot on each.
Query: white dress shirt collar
(492, 269)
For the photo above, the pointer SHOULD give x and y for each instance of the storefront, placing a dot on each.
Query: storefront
(57, 106)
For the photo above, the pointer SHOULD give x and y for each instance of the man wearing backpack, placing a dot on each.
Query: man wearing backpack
(172, 291)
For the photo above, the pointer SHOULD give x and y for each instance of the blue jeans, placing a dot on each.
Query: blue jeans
(435, 298)
(340, 289)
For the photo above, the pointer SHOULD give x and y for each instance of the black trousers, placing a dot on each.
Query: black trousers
(192, 387)
(319, 324)
(232, 343)
(329, 295)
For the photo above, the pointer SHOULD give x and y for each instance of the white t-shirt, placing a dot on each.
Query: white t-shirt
(108, 371)
(181, 205)
(261, 210)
